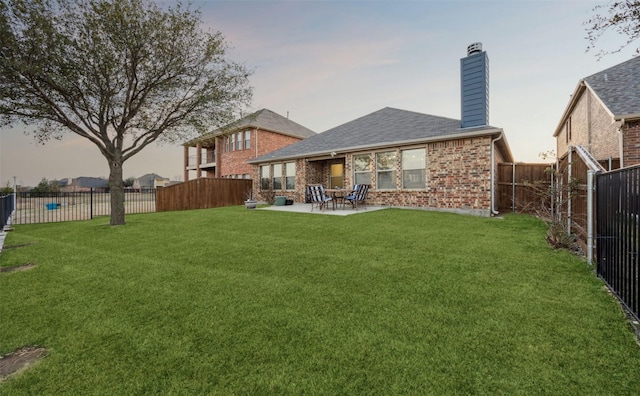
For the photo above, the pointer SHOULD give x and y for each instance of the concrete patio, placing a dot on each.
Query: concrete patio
(306, 208)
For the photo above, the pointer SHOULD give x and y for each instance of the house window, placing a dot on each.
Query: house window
(386, 170)
(362, 169)
(239, 141)
(277, 176)
(247, 139)
(413, 168)
(264, 177)
(290, 172)
(226, 144)
(232, 143)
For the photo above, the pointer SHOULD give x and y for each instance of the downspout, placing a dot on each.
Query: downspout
(621, 143)
(553, 186)
(590, 192)
(198, 160)
(256, 130)
(513, 187)
(493, 174)
(569, 174)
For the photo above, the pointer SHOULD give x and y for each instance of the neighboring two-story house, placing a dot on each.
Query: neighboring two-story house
(603, 116)
(226, 151)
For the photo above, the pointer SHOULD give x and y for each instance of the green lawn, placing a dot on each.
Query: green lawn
(233, 301)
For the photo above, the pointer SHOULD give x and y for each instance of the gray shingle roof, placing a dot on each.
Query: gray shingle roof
(148, 179)
(619, 87)
(264, 119)
(93, 182)
(387, 126)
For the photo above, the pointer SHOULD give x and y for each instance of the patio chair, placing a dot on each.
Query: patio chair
(358, 196)
(318, 196)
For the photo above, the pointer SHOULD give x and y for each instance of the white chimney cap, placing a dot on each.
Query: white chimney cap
(473, 48)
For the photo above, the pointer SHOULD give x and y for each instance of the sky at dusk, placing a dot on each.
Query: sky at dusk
(325, 63)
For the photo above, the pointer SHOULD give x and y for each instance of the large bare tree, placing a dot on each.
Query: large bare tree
(120, 73)
(619, 16)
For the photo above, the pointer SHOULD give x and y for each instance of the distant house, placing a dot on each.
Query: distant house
(225, 152)
(85, 184)
(149, 181)
(410, 159)
(603, 116)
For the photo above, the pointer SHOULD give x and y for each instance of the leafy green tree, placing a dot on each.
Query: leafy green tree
(54, 186)
(128, 182)
(120, 73)
(6, 190)
(622, 17)
(42, 189)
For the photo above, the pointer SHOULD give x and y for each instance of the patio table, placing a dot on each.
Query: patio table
(338, 194)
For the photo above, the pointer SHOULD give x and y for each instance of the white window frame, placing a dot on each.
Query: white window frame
(247, 139)
(392, 170)
(276, 176)
(357, 174)
(265, 177)
(290, 175)
(411, 168)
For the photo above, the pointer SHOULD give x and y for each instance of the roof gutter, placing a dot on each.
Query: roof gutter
(627, 117)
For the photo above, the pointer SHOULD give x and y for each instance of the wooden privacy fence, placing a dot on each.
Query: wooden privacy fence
(520, 186)
(203, 193)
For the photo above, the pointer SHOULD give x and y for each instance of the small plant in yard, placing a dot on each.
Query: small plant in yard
(250, 203)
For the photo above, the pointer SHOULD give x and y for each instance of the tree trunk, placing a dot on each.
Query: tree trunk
(116, 188)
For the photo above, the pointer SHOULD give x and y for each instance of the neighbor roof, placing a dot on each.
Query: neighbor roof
(93, 182)
(148, 179)
(385, 127)
(618, 87)
(265, 120)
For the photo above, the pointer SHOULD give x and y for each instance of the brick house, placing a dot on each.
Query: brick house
(410, 159)
(603, 116)
(225, 152)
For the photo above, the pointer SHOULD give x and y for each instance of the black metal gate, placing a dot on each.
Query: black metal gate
(618, 233)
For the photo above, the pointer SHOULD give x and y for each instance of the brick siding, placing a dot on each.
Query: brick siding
(458, 174)
(229, 164)
(631, 147)
(589, 125)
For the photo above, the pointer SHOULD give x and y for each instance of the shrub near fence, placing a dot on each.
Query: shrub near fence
(81, 205)
(203, 193)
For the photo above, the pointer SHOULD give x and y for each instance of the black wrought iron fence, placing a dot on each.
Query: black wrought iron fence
(78, 205)
(6, 207)
(618, 234)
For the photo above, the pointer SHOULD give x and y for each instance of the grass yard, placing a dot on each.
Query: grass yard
(231, 301)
